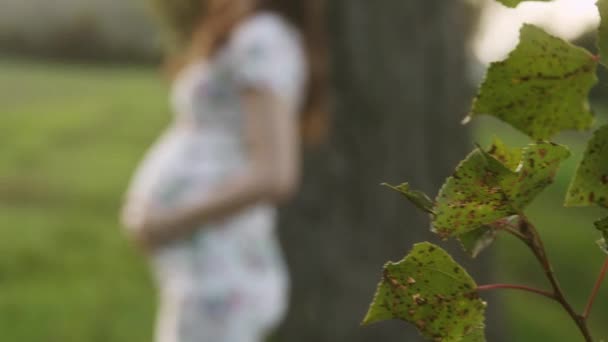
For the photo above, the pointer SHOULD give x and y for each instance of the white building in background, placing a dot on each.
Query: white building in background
(111, 24)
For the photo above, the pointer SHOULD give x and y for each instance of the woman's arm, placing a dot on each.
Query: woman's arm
(271, 174)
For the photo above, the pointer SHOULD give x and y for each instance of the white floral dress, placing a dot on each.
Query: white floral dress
(228, 282)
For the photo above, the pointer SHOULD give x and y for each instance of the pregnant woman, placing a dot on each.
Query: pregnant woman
(202, 203)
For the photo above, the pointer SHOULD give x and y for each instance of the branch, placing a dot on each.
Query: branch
(528, 234)
(516, 287)
(596, 290)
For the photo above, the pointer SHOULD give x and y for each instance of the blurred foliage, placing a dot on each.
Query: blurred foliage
(99, 30)
(180, 18)
(70, 137)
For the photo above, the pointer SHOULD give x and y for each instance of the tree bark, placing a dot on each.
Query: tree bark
(401, 89)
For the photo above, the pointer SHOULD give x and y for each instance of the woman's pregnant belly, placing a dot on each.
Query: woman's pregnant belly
(183, 165)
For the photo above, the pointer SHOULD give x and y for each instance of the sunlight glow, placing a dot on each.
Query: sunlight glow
(499, 27)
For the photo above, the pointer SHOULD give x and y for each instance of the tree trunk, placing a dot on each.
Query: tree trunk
(400, 81)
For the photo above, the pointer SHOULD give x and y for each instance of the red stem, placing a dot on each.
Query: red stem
(516, 287)
(596, 290)
(529, 235)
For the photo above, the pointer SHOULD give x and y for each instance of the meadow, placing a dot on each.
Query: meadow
(70, 136)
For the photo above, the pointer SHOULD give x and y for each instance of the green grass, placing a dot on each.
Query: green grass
(70, 137)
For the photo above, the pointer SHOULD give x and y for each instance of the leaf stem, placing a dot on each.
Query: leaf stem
(516, 287)
(530, 236)
(596, 290)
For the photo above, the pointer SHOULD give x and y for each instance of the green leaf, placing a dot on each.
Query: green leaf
(602, 226)
(472, 197)
(541, 88)
(431, 291)
(476, 336)
(484, 190)
(590, 184)
(476, 241)
(515, 3)
(509, 157)
(418, 198)
(537, 169)
(602, 5)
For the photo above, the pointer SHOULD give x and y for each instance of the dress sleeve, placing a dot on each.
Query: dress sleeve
(268, 54)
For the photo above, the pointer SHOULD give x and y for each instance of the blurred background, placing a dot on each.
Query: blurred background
(82, 98)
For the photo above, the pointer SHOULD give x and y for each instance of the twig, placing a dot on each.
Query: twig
(529, 235)
(516, 287)
(596, 290)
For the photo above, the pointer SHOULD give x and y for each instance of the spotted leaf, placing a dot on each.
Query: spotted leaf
(484, 190)
(431, 291)
(590, 184)
(602, 226)
(509, 157)
(418, 198)
(538, 166)
(542, 88)
(472, 197)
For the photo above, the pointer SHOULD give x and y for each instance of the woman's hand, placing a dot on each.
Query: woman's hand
(148, 226)
(271, 176)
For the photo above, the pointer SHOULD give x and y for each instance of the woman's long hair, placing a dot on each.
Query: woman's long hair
(199, 28)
